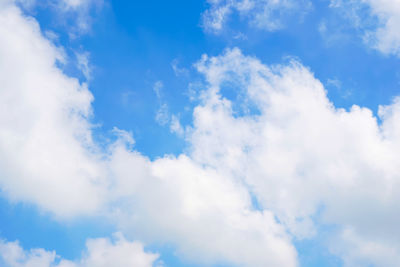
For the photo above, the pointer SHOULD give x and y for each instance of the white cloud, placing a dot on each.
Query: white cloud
(176, 126)
(178, 70)
(162, 114)
(12, 255)
(379, 21)
(48, 158)
(202, 212)
(80, 13)
(299, 154)
(45, 136)
(73, 4)
(334, 82)
(84, 65)
(75, 15)
(262, 14)
(358, 251)
(295, 153)
(100, 252)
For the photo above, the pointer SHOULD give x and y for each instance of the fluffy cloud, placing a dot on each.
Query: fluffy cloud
(205, 214)
(280, 142)
(48, 158)
(100, 252)
(263, 14)
(300, 155)
(47, 155)
(379, 21)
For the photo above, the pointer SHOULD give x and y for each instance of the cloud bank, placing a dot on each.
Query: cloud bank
(280, 143)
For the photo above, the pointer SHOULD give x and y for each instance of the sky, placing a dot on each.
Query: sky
(199, 133)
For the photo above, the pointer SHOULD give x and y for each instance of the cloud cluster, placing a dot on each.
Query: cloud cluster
(378, 20)
(261, 170)
(47, 154)
(100, 252)
(48, 158)
(262, 14)
(302, 157)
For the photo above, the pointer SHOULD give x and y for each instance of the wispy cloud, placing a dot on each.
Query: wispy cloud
(377, 20)
(267, 15)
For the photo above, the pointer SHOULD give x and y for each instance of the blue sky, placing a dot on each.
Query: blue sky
(199, 133)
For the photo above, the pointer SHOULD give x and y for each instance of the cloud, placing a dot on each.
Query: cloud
(300, 155)
(83, 64)
(176, 126)
(48, 158)
(100, 252)
(302, 159)
(80, 12)
(162, 114)
(75, 15)
(356, 250)
(262, 14)
(178, 70)
(378, 21)
(47, 153)
(189, 206)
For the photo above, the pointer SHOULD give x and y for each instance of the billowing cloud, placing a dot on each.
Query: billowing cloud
(48, 158)
(100, 252)
(262, 14)
(45, 136)
(205, 214)
(300, 155)
(279, 143)
(378, 20)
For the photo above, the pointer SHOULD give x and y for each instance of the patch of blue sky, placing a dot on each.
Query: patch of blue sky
(315, 251)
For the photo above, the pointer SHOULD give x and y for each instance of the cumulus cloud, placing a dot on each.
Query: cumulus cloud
(299, 154)
(285, 145)
(45, 135)
(262, 14)
(100, 252)
(378, 20)
(48, 158)
(206, 215)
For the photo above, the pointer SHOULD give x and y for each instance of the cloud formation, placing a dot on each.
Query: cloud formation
(100, 252)
(45, 135)
(301, 156)
(267, 15)
(378, 20)
(280, 143)
(48, 158)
